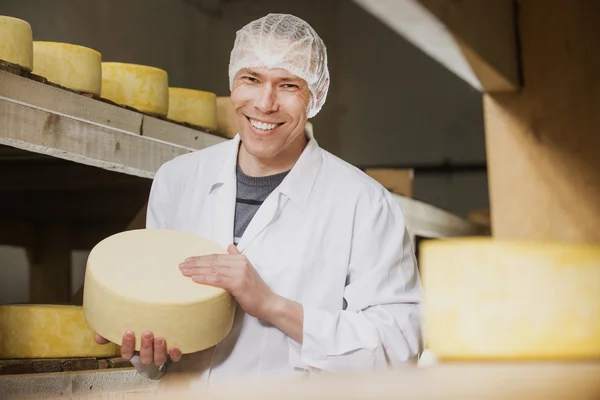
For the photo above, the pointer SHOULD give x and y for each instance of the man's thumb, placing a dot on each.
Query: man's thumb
(231, 249)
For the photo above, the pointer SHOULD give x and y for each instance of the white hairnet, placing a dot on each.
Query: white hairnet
(286, 42)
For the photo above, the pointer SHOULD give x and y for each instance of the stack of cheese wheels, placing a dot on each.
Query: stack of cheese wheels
(194, 107)
(133, 282)
(492, 299)
(16, 42)
(141, 87)
(48, 331)
(225, 120)
(74, 67)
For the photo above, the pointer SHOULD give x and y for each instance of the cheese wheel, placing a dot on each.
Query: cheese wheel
(309, 128)
(141, 87)
(74, 67)
(48, 331)
(225, 119)
(193, 107)
(491, 299)
(16, 42)
(133, 282)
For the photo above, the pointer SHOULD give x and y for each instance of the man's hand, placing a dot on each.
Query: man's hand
(234, 273)
(153, 350)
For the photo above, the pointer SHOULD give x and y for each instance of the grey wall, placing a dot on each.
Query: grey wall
(389, 104)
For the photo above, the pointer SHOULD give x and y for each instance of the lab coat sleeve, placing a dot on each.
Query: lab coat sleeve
(381, 325)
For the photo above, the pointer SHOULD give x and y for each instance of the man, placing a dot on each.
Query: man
(321, 264)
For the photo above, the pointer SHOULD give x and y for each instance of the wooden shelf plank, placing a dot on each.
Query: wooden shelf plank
(43, 119)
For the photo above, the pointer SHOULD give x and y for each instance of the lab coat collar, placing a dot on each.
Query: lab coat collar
(297, 185)
(227, 170)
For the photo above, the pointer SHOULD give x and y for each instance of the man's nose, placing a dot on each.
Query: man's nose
(266, 101)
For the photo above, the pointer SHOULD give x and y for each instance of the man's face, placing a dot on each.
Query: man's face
(270, 110)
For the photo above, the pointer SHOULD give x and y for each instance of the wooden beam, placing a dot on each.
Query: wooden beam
(41, 366)
(474, 39)
(105, 383)
(543, 144)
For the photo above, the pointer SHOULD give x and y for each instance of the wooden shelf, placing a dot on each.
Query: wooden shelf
(44, 119)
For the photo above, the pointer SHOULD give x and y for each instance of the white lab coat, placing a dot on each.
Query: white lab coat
(328, 237)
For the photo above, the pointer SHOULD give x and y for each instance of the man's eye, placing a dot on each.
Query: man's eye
(251, 79)
(290, 86)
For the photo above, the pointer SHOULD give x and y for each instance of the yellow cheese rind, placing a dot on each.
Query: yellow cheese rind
(48, 331)
(133, 282)
(141, 87)
(488, 299)
(74, 67)
(16, 42)
(225, 117)
(194, 107)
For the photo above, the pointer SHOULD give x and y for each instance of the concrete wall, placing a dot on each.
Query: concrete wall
(389, 104)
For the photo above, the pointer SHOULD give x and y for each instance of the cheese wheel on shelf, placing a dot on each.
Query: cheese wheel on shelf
(491, 299)
(71, 66)
(16, 42)
(225, 117)
(48, 331)
(141, 87)
(133, 282)
(194, 107)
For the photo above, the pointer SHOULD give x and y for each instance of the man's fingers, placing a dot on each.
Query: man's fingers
(147, 350)
(160, 351)
(128, 345)
(195, 271)
(213, 280)
(100, 340)
(231, 249)
(175, 354)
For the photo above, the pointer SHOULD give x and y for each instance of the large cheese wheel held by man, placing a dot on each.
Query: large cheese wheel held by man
(133, 282)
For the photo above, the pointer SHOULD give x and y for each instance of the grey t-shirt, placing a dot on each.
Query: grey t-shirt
(251, 192)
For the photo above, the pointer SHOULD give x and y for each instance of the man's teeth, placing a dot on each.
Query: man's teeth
(263, 125)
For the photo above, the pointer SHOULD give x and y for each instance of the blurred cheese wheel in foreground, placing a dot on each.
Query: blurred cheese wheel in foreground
(16, 42)
(143, 88)
(48, 331)
(492, 299)
(71, 66)
(194, 107)
(133, 282)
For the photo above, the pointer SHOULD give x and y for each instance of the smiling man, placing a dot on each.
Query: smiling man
(319, 260)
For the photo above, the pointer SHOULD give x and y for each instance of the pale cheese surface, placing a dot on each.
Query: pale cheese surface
(133, 282)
